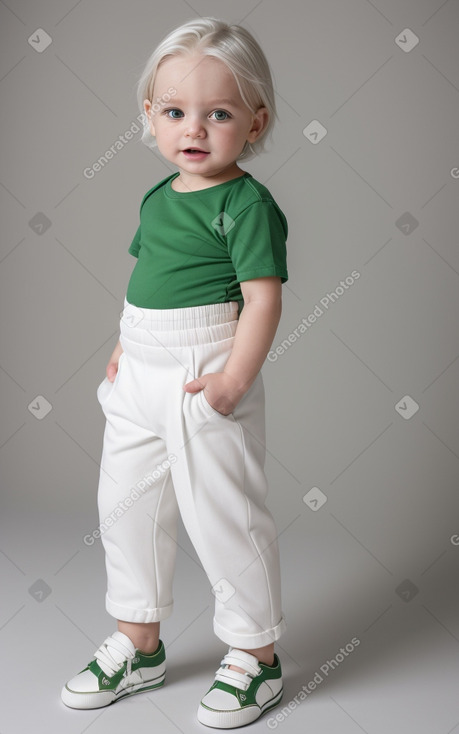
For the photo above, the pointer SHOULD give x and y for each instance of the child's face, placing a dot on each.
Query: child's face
(207, 112)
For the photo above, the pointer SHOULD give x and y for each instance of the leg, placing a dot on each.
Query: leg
(221, 489)
(145, 637)
(137, 506)
(263, 654)
(138, 513)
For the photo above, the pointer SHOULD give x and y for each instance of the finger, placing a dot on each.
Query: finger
(112, 369)
(194, 386)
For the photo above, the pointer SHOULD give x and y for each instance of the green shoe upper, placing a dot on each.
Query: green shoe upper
(106, 668)
(140, 660)
(243, 686)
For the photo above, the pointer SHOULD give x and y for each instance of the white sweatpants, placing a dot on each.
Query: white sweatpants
(167, 451)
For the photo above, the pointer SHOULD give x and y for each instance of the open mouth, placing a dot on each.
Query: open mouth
(195, 151)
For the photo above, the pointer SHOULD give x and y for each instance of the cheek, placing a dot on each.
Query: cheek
(229, 135)
(164, 131)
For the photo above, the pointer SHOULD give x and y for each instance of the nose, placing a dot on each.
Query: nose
(195, 127)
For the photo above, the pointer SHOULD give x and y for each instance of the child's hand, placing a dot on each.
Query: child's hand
(222, 390)
(112, 367)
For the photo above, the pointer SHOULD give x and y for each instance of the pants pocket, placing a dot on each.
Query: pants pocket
(208, 358)
(209, 409)
(107, 388)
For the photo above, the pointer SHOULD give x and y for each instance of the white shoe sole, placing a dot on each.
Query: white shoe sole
(98, 699)
(237, 717)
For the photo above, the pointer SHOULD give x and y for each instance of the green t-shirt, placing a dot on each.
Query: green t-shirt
(194, 248)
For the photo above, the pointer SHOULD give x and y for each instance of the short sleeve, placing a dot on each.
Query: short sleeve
(256, 242)
(134, 247)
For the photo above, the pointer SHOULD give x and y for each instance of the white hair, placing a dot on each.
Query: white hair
(233, 45)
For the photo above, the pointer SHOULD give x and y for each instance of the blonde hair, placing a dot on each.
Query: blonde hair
(233, 45)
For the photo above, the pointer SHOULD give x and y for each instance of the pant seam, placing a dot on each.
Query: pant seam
(250, 532)
(155, 523)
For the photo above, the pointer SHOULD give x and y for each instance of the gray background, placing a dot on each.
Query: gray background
(378, 560)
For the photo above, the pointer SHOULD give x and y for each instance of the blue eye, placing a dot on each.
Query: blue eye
(173, 113)
(221, 112)
(173, 117)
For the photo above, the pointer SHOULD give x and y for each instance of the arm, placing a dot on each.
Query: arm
(257, 327)
(255, 332)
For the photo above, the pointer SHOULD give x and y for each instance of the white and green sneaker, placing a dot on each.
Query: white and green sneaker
(235, 698)
(118, 670)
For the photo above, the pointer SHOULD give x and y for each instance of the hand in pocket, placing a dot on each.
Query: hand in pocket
(112, 366)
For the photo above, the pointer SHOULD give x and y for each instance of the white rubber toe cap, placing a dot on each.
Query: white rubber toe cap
(85, 682)
(82, 692)
(221, 700)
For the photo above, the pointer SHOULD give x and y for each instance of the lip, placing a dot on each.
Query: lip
(195, 156)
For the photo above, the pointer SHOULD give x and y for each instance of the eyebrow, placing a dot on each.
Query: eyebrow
(213, 102)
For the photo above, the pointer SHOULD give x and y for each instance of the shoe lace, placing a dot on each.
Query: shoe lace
(234, 677)
(112, 654)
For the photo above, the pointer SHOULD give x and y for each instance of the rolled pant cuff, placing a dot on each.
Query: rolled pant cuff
(128, 614)
(250, 642)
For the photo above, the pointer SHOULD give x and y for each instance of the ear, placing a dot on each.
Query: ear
(148, 112)
(259, 123)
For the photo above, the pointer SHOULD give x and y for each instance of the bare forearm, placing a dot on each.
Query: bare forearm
(255, 332)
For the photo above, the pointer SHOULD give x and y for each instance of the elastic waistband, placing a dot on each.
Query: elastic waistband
(191, 317)
(179, 326)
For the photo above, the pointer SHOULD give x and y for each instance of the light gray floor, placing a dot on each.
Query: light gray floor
(401, 678)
